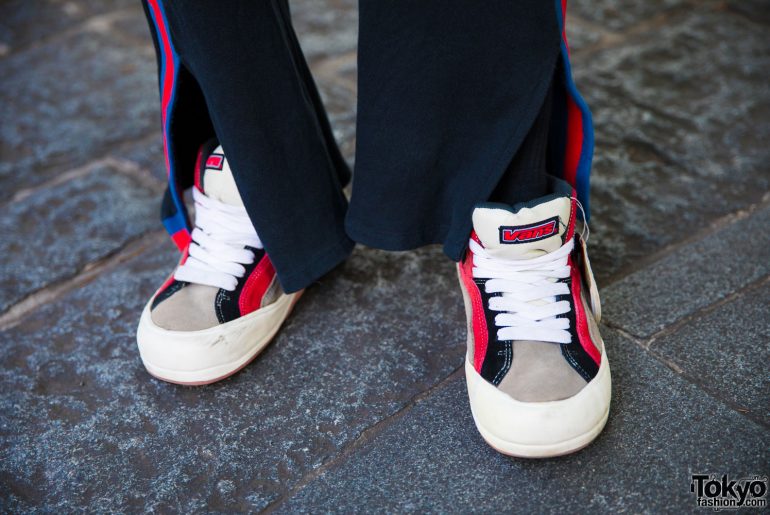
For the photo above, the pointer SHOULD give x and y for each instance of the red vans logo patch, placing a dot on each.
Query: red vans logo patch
(531, 232)
(215, 161)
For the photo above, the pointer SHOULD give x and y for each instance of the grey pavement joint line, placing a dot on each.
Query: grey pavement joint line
(62, 178)
(104, 158)
(16, 313)
(694, 380)
(144, 177)
(705, 310)
(640, 342)
(713, 227)
(366, 435)
(647, 344)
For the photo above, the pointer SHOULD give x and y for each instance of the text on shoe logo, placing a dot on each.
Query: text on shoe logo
(529, 233)
(215, 161)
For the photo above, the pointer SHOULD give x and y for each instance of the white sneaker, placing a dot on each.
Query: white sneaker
(223, 303)
(538, 377)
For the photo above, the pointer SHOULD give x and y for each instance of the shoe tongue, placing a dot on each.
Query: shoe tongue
(217, 180)
(523, 231)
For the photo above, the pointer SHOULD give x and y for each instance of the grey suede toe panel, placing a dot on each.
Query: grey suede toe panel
(540, 373)
(189, 309)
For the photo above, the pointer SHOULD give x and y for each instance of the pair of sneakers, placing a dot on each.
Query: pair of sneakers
(537, 374)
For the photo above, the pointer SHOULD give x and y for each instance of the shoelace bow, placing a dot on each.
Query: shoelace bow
(529, 287)
(217, 253)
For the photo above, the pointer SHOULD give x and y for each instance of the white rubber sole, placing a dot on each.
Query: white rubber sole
(207, 356)
(540, 429)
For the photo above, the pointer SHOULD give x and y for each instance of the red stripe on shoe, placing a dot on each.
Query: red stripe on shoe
(581, 321)
(256, 286)
(182, 239)
(480, 334)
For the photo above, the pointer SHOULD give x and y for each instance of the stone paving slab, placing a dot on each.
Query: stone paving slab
(53, 233)
(82, 423)
(727, 351)
(25, 23)
(70, 99)
(703, 88)
(662, 429)
(327, 28)
(619, 15)
(691, 278)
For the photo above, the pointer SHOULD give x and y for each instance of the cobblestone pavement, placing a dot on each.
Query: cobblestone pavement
(681, 101)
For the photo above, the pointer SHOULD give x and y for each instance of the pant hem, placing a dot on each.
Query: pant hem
(394, 241)
(318, 264)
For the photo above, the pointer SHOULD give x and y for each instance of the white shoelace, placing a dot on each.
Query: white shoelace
(217, 252)
(528, 306)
